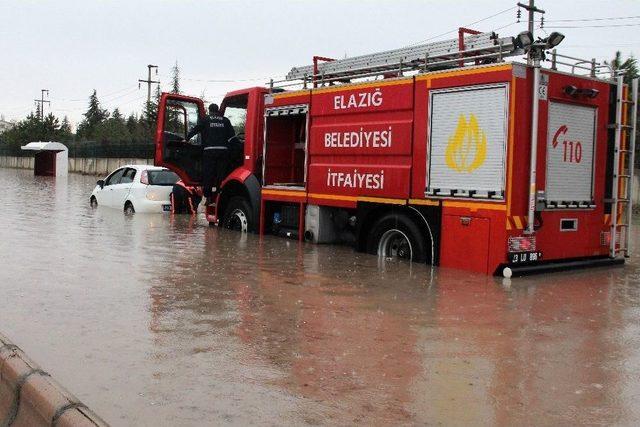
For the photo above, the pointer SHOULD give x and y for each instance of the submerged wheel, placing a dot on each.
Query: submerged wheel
(238, 215)
(93, 202)
(129, 209)
(397, 237)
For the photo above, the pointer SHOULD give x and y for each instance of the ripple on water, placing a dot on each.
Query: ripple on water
(151, 319)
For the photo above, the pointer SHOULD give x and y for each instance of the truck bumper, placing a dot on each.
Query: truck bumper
(554, 266)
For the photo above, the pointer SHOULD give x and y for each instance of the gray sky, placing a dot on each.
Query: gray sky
(72, 47)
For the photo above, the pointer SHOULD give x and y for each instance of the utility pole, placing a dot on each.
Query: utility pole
(149, 82)
(40, 103)
(532, 9)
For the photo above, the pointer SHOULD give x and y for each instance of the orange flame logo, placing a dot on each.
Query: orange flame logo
(467, 148)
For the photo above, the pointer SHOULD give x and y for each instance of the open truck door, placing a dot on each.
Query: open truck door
(177, 115)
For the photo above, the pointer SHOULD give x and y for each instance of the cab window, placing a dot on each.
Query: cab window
(180, 118)
(235, 109)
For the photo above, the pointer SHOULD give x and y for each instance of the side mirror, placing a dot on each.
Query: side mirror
(100, 183)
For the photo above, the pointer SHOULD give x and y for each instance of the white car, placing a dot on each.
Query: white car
(136, 188)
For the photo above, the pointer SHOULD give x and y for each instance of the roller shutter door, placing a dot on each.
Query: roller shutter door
(570, 148)
(467, 142)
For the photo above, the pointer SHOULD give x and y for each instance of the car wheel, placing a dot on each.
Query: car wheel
(128, 209)
(93, 202)
(397, 237)
(238, 215)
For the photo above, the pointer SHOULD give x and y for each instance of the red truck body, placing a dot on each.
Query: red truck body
(446, 153)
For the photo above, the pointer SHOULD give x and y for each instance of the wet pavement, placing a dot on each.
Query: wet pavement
(153, 320)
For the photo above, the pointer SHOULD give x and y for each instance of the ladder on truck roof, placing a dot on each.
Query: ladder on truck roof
(623, 165)
(476, 48)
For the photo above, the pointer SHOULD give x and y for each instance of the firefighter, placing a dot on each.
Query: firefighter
(217, 133)
(184, 199)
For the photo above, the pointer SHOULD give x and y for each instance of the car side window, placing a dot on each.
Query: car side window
(128, 176)
(114, 178)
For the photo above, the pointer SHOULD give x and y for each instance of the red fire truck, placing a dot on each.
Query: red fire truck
(441, 153)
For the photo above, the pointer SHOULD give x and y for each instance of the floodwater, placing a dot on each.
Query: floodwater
(153, 320)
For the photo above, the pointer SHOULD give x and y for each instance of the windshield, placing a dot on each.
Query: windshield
(162, 177)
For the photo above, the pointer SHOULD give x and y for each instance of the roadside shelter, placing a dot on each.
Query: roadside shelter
(51, 158)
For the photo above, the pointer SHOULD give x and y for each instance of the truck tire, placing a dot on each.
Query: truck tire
(238, 215)
(396, 236)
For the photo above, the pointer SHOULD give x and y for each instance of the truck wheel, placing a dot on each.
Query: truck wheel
(238, 216)
(396, 236)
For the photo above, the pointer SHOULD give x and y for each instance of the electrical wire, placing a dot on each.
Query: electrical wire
(119, 97)
(609, 44)
(593, 26)
(613, 18)
(103, 96)
(226, 80)
(466, 25)
(505, 26)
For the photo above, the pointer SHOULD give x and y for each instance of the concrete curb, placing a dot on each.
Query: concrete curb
(30, 397)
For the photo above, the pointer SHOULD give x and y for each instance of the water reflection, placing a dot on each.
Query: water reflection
(212, 325)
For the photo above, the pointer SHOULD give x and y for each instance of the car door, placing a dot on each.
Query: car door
(122, 188)
(177, 115)
(105, 196)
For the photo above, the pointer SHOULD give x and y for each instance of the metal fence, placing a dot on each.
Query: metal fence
(88, 149)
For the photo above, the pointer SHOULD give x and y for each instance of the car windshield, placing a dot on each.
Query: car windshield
(160, 177)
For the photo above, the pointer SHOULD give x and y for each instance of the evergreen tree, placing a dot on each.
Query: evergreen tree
(149, 117)
(93, 117)
(175, 78)
(65, 126)
(113, 129)
(117, 115)
(33, 129)
(65, 132)
(132, 124)
(630, 65)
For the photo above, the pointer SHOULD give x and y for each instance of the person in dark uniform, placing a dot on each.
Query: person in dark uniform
(217, 132)
(184, 199)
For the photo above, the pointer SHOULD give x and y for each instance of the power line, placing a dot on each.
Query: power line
(612, 18)
(120, 96)
(608, 44)
(225, 80)
(593, 26)
(103, 96)
(466, 25)
(505, 26)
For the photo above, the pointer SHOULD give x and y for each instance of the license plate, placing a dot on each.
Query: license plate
(523, 257)
(166, 208)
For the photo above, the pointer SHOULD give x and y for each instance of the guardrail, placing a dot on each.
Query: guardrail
(30, 397)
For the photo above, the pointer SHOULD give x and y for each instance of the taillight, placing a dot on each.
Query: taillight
(522, 244)
(144, 178)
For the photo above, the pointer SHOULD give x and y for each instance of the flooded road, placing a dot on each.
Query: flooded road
(151, 320)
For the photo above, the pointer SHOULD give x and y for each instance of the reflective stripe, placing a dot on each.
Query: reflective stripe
(215, 148)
